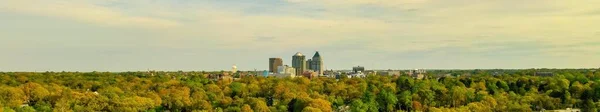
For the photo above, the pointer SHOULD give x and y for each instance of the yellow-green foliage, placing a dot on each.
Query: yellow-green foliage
(513, 91)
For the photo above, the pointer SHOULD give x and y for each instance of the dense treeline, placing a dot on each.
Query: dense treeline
(194, 91)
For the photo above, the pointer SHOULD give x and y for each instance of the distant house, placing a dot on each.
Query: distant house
(357, 75)
(222, 76)
(418, 76)
(310, 74)
(417, 73)
(390, 73)
(565, 110)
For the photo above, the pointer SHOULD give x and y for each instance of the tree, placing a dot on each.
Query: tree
(459, 96)
(259, 105)
(26, 109)
(358, 106)
(194, 91)
(130, 104)
(12, 97)
(236, 88)
(405, 100)
(246, 108)
(417, 106)
(34, 92)
(387, 101)
(311, 109)
(176, 97)
(321, 104)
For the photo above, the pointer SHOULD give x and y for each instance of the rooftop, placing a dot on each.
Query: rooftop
(298, 54)
(317, 54)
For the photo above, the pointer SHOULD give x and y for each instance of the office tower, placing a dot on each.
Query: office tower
(316, 64)
(299, 63)
(274, 63)
(309, 64)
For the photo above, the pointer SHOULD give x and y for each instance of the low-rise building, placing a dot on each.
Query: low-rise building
(357, 75)
(390, 73)
(565, 110)
(358, 69)
(417, 73)
(285, 71)
(310, 74)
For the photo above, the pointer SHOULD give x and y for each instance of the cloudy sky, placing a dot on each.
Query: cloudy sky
(132, 35)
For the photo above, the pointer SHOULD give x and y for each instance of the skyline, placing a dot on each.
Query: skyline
(136, 35)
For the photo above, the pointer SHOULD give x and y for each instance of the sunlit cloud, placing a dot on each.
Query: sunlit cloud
(550, 28)
(84, 11)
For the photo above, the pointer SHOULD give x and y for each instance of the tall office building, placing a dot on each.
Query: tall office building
(299, 63)
(274, 63)
(308, 64)
(316, 63)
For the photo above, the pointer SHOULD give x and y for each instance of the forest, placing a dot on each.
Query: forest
(460, 91)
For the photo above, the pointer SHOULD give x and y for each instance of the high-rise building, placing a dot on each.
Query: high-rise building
(316, 63)
(299, 63)
(274, 63)
(308, 64)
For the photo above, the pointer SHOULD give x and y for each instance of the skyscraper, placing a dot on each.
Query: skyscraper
(274, 63)
(316, 64)
(309, 64)
(299, 63)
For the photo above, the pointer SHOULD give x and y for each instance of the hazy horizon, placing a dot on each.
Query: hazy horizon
(137, 35)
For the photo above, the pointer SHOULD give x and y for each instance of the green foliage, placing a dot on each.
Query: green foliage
(26, 109)
(462, 90)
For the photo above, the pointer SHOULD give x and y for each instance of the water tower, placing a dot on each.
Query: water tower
(234, 69)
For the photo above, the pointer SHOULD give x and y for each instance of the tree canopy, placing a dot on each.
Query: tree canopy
(463, 90)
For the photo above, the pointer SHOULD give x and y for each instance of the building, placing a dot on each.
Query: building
(309, 64)
(285, 71)
(222, 76)
(274, 63)
(357, 75)
(417, 73)
(358, 69)
(329, 73)
(234, 69)
(265, 73)
(310, 74)
(391, 73)
(565, 110)
(299, 63)
(316, 64)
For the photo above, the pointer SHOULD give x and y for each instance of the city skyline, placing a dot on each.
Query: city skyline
(116, 35)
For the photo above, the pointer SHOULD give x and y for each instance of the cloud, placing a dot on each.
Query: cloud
(84, 11)
(550, 28)
(386, 25)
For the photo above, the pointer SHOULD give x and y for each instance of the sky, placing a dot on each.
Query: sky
(196, 35)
